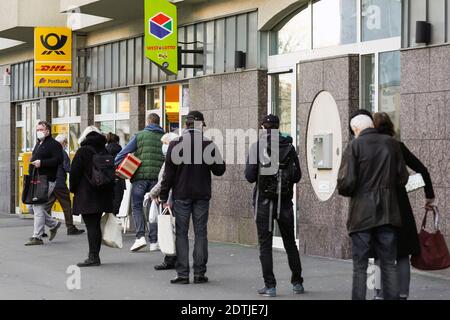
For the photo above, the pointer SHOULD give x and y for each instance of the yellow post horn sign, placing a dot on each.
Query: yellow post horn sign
(52, 57)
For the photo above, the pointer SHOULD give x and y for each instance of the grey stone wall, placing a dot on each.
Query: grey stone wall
(7, 146)
(425, 122)
(322, 225)
(231, 101)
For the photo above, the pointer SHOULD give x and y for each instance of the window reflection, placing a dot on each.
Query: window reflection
(380, 19)
(281, 100)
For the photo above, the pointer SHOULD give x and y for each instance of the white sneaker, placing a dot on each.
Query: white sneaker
(154, 246)
(139, 244)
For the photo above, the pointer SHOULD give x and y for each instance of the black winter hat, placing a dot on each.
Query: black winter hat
(196, 116)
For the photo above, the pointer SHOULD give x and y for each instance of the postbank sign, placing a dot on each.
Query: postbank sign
(161, 34)
(52, 57)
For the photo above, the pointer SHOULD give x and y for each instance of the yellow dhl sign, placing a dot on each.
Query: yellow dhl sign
(52, 57)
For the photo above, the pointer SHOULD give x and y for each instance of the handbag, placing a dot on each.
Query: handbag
(111, 231)
(35, 188)
(415, 182)
(434, 254)
(166, 232)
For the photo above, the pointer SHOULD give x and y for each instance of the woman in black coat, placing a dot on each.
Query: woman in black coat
(408, 240)
(113, 147)
(89, 201)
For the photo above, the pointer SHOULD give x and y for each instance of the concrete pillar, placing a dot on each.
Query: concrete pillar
(45, 109)
(86, 110)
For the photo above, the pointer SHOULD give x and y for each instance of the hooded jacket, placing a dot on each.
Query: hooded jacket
(88, 199)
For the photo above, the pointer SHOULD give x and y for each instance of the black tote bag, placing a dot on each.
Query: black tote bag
(35, 188)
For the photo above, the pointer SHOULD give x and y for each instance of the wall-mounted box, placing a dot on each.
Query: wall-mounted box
(322, 151)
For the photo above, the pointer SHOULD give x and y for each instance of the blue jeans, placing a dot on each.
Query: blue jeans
(138, 191)
(182, 210)
(384, 241)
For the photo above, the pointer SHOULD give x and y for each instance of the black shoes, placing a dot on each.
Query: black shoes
(164, 266)
(179, 280)
(200, 279)
(34, 242)
(54, 231)
(73, 231)
(44, 235)
(90, 262)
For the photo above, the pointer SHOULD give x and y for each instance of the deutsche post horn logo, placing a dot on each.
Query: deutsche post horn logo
(161, 26)
(60, 42)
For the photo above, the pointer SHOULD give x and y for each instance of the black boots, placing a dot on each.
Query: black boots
(92, 261)
(73, 231)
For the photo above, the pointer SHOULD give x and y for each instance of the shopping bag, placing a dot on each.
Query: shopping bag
(35, 188)
(154, 212)
(111, 231)
(166, 232)
(434, 254)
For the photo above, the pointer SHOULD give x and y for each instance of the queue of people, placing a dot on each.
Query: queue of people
(373, 174)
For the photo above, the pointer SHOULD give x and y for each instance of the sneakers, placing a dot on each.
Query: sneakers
(179, 280)
(154, 246)
(268, 292)
(164, 266)
(200, 279)
(54, 231)
(298, 288)
(139, 244)
(34, 242)
(74, 231)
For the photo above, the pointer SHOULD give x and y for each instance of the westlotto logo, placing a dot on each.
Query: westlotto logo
(161, 26)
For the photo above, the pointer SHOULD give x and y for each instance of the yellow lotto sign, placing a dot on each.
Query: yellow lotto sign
(52, 57)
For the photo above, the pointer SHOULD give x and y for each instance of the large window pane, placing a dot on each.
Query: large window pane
(281, 100)
(123, 102)
(61, 108)
(123, 131)
(19, 116)
(75, 107)
(105, 103)
(105, 126)
(295, 35)
(153, 99)
(380, 19)
(334, 22)
(389, 87)
(368, 82)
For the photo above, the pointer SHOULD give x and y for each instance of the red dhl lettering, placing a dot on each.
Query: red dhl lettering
(45, 67)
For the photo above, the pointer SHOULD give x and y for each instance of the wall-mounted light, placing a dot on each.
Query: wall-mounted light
(423, 32)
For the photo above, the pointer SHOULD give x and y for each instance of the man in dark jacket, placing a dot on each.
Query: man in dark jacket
(188, 173)
(61, 192)
(371, 171)
(279, 207)
(146, 146)
(47, 156)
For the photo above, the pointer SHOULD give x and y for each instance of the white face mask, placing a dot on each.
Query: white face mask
(40, 135)
(165, 147)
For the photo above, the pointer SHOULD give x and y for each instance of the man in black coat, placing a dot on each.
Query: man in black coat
(188, 173)
(371, 172)
(46, 157)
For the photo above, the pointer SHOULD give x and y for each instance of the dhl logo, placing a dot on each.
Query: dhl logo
(45, 67)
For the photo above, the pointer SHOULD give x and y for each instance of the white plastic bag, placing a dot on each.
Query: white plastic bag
(154, 212)
(111, 231)
(166, 232)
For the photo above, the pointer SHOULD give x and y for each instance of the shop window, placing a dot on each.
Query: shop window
(105, 126)
(172, 106)
(123, 102)
(334, 23)
(389, 85)
(368, 82)
(74, 135)
(105, 103)
(294, 35)
(123, 130)
(75, 106)
(380, 19)
(153, 99)
(19, 116)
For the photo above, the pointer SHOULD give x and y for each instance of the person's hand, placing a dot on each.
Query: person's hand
(36, 163)
(165, 204)
(146, 199)
(156, 199)
(429, 204)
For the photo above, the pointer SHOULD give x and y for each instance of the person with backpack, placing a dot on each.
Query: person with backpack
(272, 199)
(92, 182)
(113, 147)
(146, 146)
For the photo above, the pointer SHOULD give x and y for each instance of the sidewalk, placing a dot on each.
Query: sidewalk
(40, 272)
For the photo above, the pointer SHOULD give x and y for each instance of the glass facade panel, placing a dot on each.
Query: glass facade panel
(281, 100)
(75, 107)
(295, 35)
(19, 116)
(380, 19)
(368, 82)
(105, 126)
(105, 104)
(123, 131)
(334, 22)
(389, 85)
(74, 135)
(123, 102)
(153, 99)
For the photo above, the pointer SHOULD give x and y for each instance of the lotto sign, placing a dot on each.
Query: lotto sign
(52, 57)
(161, 36)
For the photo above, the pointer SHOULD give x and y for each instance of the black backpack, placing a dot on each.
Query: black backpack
(278, 185)
(103, 170)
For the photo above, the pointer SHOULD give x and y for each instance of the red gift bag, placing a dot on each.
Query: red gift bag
(434, 254)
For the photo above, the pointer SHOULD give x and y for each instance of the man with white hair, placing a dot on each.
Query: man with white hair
(61, 192)
(372, 169)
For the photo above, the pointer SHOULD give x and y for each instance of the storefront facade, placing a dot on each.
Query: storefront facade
(310, 62)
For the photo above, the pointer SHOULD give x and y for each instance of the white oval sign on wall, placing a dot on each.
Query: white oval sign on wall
(324, 145)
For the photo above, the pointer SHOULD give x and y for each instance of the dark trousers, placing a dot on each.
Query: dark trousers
(286, 226)
(63, 196)
(94, 232)
(384, 241)
(118, 196)
(182, 211)
(170, 260)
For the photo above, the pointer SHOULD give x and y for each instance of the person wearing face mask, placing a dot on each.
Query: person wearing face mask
(61, 192)
(169, 261)
(46, 157)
